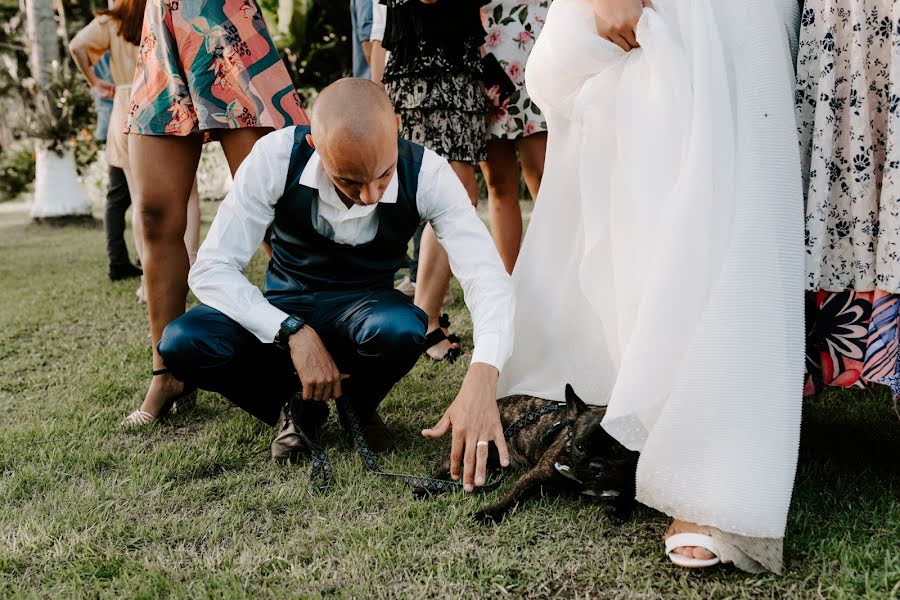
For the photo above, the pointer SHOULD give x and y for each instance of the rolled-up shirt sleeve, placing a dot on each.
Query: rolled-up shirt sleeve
(487, 288)
(217, 277)
(379, 21)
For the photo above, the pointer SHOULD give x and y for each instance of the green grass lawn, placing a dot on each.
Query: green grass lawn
(195, 507)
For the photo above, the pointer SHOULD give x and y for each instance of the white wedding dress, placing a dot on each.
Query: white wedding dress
(662, 273)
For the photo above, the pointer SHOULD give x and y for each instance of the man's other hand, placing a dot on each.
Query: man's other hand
(319, 375)
(473, 417)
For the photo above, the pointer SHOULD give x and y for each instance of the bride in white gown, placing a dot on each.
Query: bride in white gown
(662, 274)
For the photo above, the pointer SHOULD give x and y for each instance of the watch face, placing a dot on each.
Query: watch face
(292, 324)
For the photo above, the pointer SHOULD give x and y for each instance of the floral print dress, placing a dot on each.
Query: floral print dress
(512, 28)
(206, 65)
(847, 99)
(433, 75)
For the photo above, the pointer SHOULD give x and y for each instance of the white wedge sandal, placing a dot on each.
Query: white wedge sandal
(680, 540)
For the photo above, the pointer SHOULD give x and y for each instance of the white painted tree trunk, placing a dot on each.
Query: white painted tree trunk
(57, 191)
(285, 12)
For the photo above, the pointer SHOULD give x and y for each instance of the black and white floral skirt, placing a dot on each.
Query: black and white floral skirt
(446, 114)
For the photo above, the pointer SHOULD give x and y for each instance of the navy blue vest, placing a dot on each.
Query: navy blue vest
(303, 260)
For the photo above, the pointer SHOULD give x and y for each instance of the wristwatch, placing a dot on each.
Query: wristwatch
(289, 327)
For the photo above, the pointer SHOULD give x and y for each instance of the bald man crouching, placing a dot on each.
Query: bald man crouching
(343, 201)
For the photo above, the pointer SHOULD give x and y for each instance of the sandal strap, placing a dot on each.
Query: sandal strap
(452, 354)
(138, 418)
(680, 540)
(434, 338)
(163, 371)
(444, 320)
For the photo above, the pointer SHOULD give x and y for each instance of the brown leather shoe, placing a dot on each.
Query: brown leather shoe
(376, 434)
(288, 445)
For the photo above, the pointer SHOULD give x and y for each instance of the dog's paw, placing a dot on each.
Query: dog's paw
(623, 511)
(421, 493)
(489, 516)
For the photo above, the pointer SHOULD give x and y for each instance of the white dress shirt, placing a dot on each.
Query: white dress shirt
(236, 233)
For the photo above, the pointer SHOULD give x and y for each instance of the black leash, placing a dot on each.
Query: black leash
(321, 473)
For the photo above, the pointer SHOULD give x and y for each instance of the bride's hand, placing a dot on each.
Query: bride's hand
(617, 20)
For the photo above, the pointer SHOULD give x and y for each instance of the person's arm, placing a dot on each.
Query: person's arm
(378, 57)
(86, 48)
(473, 416)
(377, 62)
(237, 231)
(617, 20)
(217, 278)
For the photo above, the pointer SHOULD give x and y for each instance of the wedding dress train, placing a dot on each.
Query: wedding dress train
(662, 273)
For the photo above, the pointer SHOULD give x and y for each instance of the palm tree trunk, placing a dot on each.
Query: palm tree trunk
(57, 192)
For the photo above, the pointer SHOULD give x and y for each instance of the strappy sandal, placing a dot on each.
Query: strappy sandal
(680, 540)
(178, 403)
(437, 336)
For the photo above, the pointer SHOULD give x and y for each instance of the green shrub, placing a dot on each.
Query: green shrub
(16, 172)
(317, 48)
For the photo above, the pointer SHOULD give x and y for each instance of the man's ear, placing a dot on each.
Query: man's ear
(574, 405)
(309, 140)
(399, 122)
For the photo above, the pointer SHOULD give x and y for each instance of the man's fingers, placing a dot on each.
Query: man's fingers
(502, 449)
(336, 391)
(469, 465)
(438, 430)
(481, 456)
(456, 453)
(307, 390)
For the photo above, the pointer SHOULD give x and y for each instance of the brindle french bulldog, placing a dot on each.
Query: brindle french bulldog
(566, 451)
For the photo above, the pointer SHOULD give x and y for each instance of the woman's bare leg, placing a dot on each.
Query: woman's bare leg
(434, 274)
(192, 229)
(136, 230)
(501, 174)
(237, 144)
(164, 170)
(532, 150)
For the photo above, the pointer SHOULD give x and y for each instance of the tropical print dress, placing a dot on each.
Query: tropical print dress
(848, 109)
(512, 28)
(206, 65)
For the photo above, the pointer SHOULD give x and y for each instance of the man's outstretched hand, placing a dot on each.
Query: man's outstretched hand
(319, 375)
(473, 416)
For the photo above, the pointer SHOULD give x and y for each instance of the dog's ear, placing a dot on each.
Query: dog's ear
(574, 405)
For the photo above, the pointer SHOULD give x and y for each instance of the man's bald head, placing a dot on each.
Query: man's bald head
(354, 130)
(353, 108)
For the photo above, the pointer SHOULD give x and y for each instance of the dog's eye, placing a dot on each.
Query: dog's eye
(579, 447)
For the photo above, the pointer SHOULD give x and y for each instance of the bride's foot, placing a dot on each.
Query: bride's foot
(693, 554)
(163, 392)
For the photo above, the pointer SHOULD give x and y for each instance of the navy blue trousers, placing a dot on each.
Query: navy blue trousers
(375, 337)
